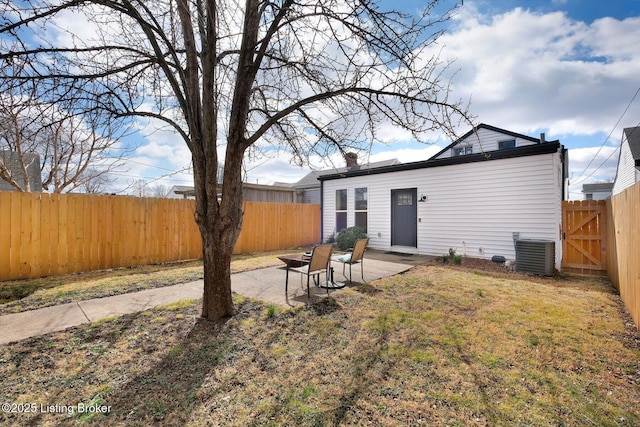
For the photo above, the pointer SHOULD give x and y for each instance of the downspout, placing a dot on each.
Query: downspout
(565, 171)
(321, 211)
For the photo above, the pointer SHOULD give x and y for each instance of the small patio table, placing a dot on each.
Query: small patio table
(295, 260)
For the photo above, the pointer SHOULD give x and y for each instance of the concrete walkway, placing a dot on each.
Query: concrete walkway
(266, 284)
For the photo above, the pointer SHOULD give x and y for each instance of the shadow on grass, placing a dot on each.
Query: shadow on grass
(17, 290)
(167, 392)
(362, 382)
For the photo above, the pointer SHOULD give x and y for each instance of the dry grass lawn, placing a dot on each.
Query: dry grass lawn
(434, 346)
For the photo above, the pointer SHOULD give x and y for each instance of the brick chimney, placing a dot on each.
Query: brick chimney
(351, 159)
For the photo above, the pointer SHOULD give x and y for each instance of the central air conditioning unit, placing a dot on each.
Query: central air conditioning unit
(535, 256)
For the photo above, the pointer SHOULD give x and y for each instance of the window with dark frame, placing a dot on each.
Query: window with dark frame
(463, 151)
(503, 145)
(341, 210)
(361, 208)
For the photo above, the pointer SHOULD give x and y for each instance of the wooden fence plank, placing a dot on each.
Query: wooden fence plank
(87, 241)
(75, 230)
(5, 235)
(25, 237)
(16, 235)
(94, 239)
(45, 234)
(63, 238)
(34, 260)
(54, 234)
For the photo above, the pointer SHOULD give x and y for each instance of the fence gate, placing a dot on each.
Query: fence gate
(584, 237)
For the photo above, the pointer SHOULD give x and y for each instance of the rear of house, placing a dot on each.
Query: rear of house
(474, 201)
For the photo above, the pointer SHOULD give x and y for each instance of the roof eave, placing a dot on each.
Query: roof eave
(528, 150)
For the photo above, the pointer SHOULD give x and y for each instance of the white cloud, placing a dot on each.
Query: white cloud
(593, 164)
(614, 39)
(528, 71)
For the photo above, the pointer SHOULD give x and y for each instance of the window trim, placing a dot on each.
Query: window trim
(357, 211)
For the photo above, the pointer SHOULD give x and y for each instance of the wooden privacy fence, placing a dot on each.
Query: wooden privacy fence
(623, 254)
(584, 239)
(273, 226)
(47, 234)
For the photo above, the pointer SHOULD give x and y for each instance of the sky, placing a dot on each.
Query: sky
(568, 68)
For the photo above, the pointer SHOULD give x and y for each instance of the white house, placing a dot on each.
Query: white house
(475, 196)
(628, 172)
(181, 192)
(597, 191)
(13, 164)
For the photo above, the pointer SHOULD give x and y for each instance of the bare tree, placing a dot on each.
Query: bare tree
(314, 76)
(74, 153)
(159, 190)
(16, 151)
(73, 146)
(139, 188)
(94, 181)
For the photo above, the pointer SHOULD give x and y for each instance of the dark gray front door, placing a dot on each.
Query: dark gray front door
(404, 217)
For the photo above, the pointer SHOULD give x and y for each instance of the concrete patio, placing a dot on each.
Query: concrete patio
(266, 284)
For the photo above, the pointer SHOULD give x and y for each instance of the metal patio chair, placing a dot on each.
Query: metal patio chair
(319, 263)
(355, 257)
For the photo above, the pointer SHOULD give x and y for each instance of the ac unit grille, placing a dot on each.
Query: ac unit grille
(535, 256)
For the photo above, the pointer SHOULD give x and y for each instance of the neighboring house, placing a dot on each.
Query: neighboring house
(628, 171)
(475, 201)
(181, 192)
(251, 193)
(598, 191)
(14, 165)
(309, 185)
(270, 193)
(485, 138)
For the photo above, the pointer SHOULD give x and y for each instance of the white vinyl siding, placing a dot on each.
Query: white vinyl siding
(468, 207)
(627, 174)
(597, 195)
(485, 140)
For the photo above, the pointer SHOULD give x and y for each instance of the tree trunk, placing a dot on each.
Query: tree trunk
(217, 302)
(220, 221)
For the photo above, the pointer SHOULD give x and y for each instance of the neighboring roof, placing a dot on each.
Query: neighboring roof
(190, 191)
(528, 150)
(603, 186)
(492, 128)
(310, 180)
(633, 138)
(181, 189)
